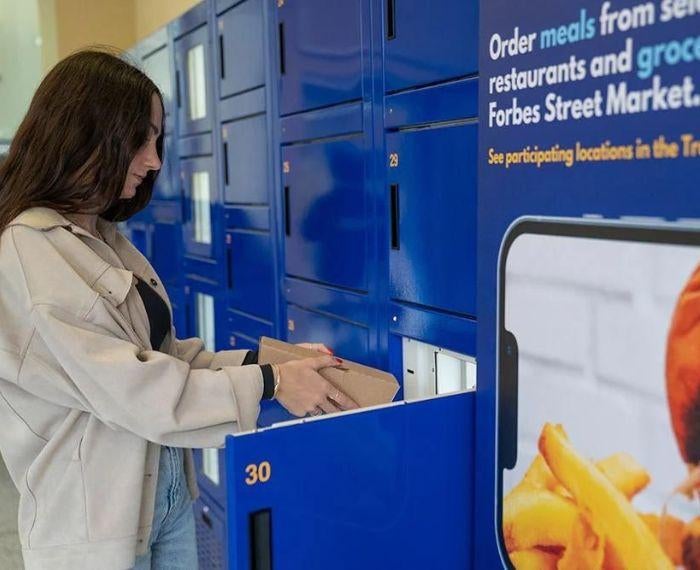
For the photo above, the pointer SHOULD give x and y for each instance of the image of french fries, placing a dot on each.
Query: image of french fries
(623, 471)
(586, 547)
(537, 517)
(634, 544)
(534, 559)
(669, 531)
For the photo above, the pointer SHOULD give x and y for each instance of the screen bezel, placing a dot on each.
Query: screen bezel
(662, 233)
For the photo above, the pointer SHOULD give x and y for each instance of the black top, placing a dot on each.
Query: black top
(158, 313)
(159, 320)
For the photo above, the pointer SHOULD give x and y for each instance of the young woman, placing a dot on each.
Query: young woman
(99, 401)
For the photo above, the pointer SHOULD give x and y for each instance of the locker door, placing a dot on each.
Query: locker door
(320, 53)
(198, 180)
(167, 257)
(251, 272)
(157, 66)
(246, 160)
(193, 85)
(347, 339)
(140, 235)
(165, 188)
(427, 42)
(241, 48)
(325, 215)
(178, 301)
(432, 186)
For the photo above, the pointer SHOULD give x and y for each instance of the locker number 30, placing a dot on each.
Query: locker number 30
(260, 473)
(393, 159)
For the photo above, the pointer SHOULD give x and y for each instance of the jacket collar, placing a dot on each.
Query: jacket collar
(45, 219)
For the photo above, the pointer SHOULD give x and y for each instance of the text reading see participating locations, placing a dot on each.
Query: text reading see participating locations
(631, 71)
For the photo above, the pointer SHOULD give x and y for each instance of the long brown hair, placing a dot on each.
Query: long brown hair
(88, 118)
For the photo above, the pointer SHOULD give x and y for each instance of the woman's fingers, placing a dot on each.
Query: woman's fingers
(341, 400)
(319, 362)
(317, 346)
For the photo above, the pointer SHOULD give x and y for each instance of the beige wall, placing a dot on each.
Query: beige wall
(152, 14)
(118, 23)
(81, 23)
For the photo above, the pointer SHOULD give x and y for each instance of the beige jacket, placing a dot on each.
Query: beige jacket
(85, 403)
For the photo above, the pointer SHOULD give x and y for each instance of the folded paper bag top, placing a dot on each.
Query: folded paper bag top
(367, 386)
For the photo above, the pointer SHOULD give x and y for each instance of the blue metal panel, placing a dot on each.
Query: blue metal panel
(441, 329)
(240, 46)
(436, 104)
(248, 217)
(211, 270)
(432, 180)
(178, 302)
(166, 187)
(202, 242)
(165, 211)
(194, 40)
(250, 273)
(347, 339)
(320, 51)
(243, 105)
(344, 304)
(388, 488)
(140, 235)
(428, 42)
(216, 492)
(326, 234)
(197, 145)
(246, 161)
(190, 20)
(337, 121)
(211, 535)
(155, 60)
(222, 5)
(167, 251)
(244, 331)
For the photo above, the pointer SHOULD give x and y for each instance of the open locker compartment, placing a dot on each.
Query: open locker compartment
(380, 487)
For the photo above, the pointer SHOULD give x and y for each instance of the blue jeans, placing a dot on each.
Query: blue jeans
(173, 543)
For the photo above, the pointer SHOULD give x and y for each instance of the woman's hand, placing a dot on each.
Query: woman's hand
(302, 390)
(317, 346)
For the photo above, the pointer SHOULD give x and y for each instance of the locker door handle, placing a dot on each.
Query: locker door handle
(390, 19)
(222, 69)
(229, 261)
(177, 88)
(225, 161)
(283, 55)
(260, 528)
(395, 217)
(206, 519)
(287, 215)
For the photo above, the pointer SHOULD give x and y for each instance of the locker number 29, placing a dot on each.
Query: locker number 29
(260, 473)
(393, 160)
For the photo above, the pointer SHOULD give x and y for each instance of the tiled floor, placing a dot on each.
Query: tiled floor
(10, 553)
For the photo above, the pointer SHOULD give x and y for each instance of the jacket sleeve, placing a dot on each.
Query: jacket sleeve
(192, 351)
(152, 394)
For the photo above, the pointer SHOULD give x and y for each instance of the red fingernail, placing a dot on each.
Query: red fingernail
(338, 360)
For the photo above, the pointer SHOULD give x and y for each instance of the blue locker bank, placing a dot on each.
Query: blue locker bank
(332, 169)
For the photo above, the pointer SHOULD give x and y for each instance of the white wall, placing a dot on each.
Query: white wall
(20, 61)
